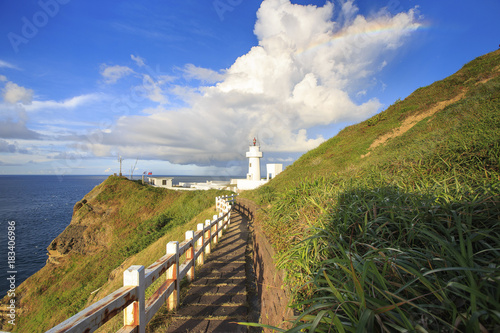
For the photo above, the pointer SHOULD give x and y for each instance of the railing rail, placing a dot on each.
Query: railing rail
(136, 279)
(220, 201)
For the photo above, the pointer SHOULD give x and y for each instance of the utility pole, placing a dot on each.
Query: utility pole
(120, 159)
(132, 170)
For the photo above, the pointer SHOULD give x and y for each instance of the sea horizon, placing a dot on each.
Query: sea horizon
(42, 207)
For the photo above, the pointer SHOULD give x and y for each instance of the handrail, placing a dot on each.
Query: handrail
(224, 200)
(136, 279)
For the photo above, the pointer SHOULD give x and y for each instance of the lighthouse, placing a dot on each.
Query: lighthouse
(254, 155)
(253, 179)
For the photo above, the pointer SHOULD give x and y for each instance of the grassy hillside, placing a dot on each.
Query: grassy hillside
(437, 112)
(147, 257)
(116, 220)
(394, 224)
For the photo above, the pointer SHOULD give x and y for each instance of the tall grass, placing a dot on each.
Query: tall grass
(385, 260)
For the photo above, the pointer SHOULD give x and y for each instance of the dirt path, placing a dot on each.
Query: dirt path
(411, 121)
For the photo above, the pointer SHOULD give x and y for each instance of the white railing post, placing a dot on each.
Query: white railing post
(173, 274)
(220, 223)
(215, 229)
(201, 241)
(190, 255)
(208, 236)
(135, 313)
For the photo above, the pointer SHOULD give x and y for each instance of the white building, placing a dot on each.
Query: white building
(166, 182)
(160, 181)
(273, 170)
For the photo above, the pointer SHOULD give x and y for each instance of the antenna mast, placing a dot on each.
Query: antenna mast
(120, 159)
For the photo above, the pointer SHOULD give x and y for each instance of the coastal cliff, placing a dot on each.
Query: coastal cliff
(113, 224)
(83, 234)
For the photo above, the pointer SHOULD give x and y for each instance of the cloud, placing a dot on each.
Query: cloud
(3, 78)
(308, 63)
(205, 75)
(361, 93)
(281, 160)
(112, 74)
(6, 147)
(138, 60)
(10, 129)
(70, 103)
(5, 64)
(153, 90)
(12, 94)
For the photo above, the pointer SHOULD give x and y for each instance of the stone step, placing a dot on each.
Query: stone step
(217, 299)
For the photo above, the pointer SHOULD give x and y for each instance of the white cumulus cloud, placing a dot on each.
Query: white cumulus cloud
(12, 94)
(308, 63)
(203, 74)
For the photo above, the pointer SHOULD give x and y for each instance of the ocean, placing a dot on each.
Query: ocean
(40, 208)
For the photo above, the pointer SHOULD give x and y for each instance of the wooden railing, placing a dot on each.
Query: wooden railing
(137, 311)
(221, 201)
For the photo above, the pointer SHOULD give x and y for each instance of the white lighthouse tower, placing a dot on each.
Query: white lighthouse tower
(253, 179)
(254, 155)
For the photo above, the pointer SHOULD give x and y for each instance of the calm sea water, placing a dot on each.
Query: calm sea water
(41, 207)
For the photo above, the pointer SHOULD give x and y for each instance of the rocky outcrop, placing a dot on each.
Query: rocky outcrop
(86, 232)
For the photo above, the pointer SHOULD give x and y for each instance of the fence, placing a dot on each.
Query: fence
(221, 201)
(137, 311)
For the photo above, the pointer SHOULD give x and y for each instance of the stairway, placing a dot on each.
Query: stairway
(217, 298)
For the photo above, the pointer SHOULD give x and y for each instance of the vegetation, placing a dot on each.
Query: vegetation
(394, 224)
(146, 257)
(123, 221)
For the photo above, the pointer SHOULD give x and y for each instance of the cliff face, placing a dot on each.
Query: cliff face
(114, 221)
(85, 233)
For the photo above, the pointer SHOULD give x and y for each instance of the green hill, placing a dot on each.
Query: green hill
(394, 224)
(117, 224)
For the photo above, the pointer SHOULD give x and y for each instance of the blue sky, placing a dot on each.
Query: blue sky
(184, 86)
